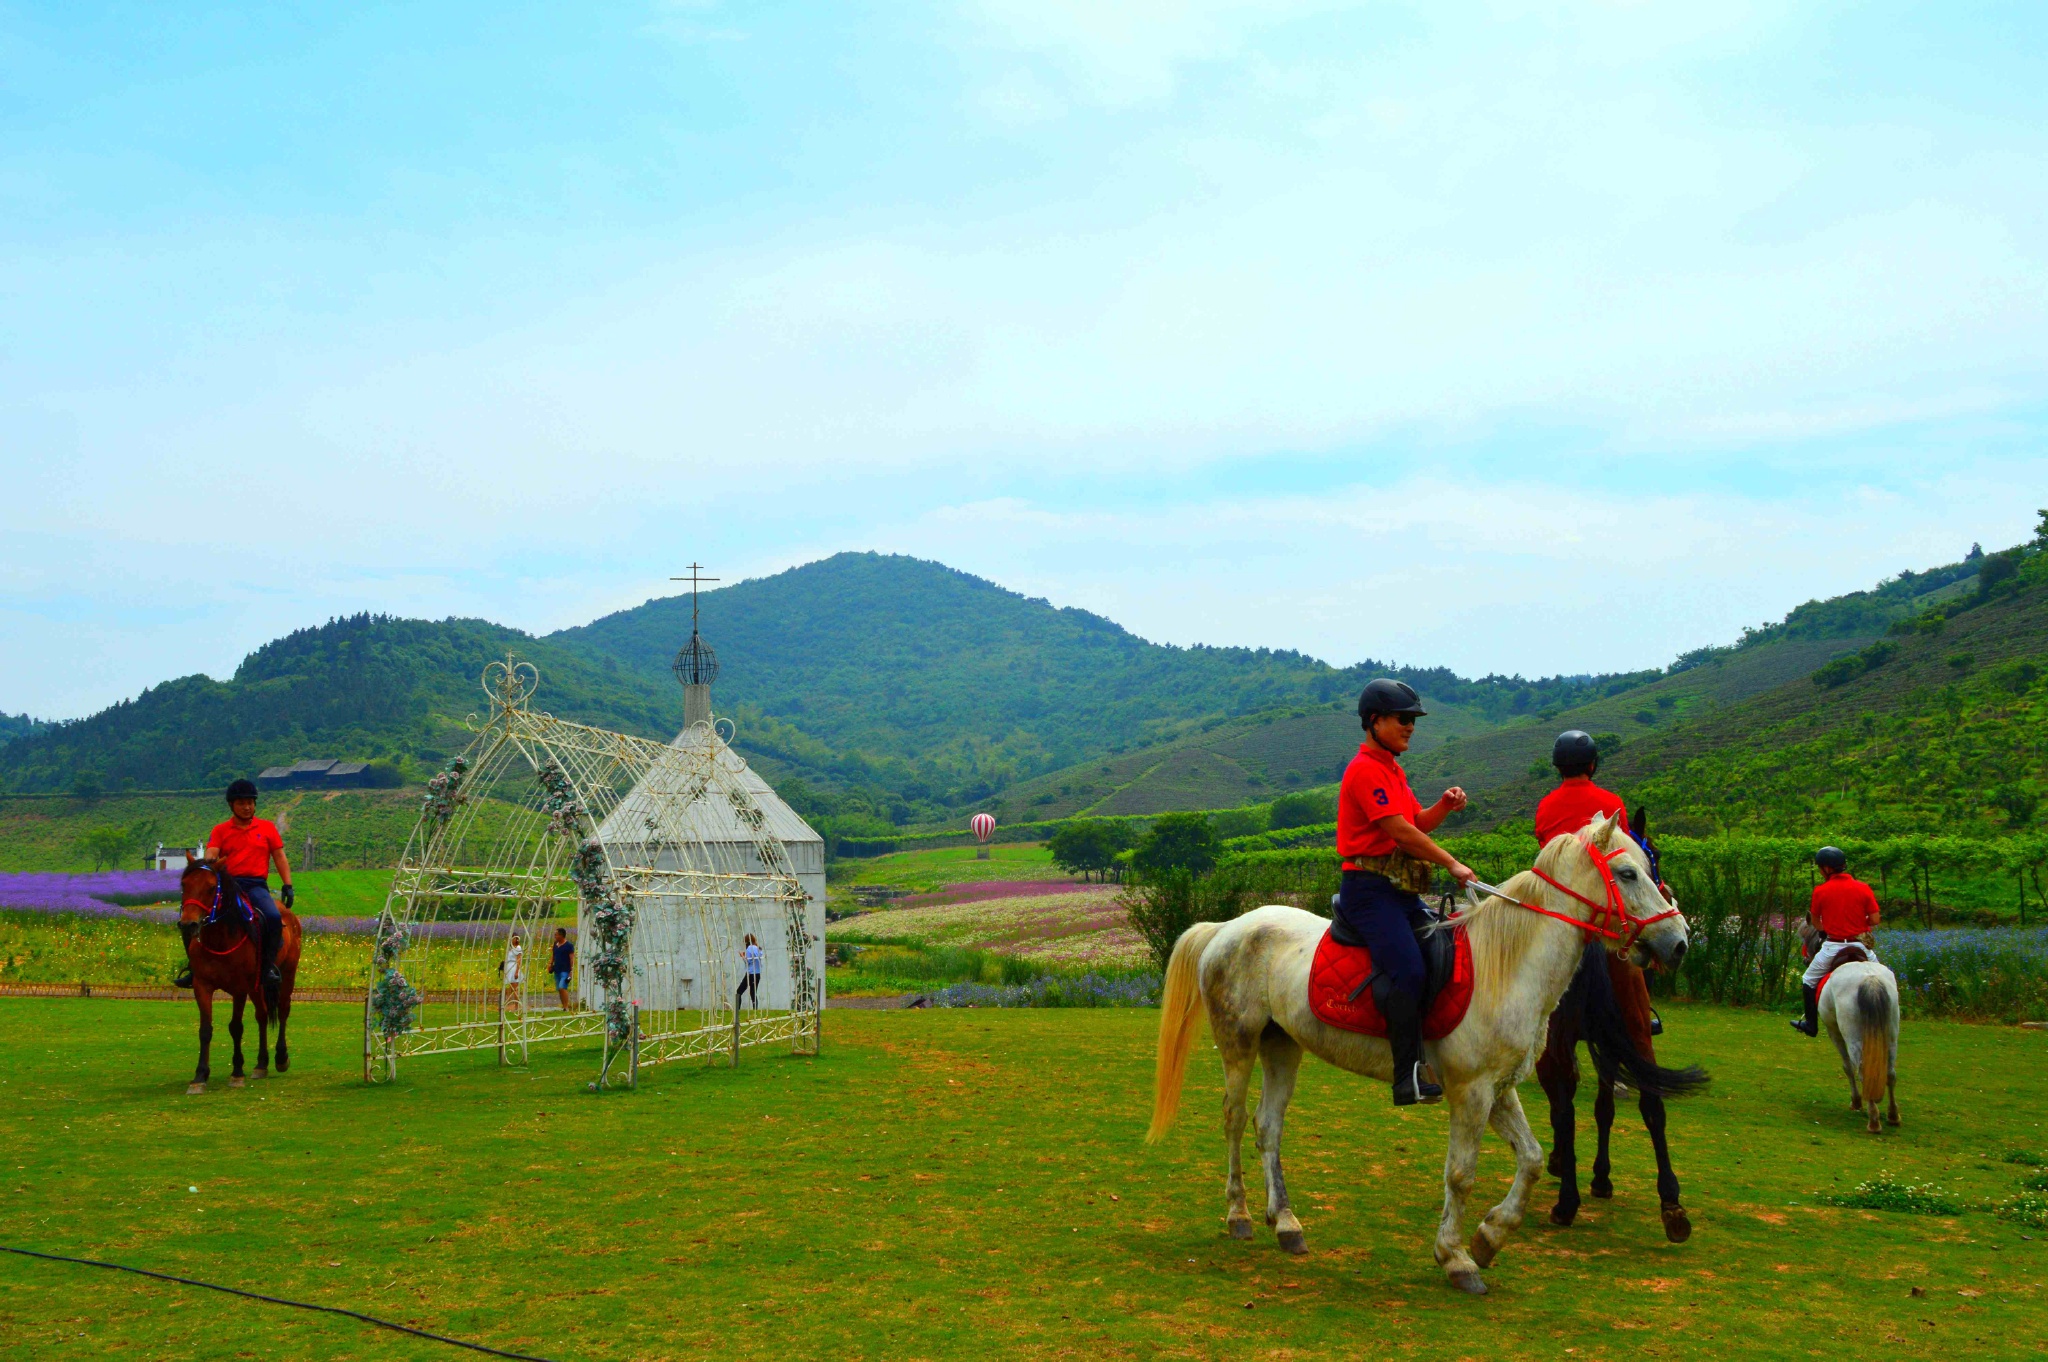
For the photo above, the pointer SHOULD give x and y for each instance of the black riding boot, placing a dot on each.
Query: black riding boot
(1403, 1013)
(273, 937)
(1810, 1023)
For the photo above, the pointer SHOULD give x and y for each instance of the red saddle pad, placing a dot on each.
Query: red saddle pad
(1338, 970)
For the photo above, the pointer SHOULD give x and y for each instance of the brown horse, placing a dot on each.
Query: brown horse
(1608, 1007)
(223, 942)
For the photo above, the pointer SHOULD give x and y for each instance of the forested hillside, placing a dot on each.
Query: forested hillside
(888, 691)
(358, 688)
(897, 675)
(1937, 725)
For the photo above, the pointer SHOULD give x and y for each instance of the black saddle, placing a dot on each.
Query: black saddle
(1849, 955)
(1439, 954)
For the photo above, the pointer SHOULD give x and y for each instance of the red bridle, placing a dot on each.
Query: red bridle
(1626, 925)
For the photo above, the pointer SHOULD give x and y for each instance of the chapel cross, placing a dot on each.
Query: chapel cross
(693, 579)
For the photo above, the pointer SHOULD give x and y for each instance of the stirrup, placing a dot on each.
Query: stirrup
(1415, 1088)
(184, 979)
(1800, 1025)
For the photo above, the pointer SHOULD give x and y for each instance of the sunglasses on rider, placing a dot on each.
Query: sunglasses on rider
(1406, 720)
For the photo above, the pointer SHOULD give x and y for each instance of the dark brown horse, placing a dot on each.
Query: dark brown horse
(1608, 1007)
(223, 940)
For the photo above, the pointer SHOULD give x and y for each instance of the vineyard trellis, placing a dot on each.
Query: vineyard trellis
(662, 855)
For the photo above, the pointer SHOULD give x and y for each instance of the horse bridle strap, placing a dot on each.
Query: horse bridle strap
(212, 910)
(1628, 926)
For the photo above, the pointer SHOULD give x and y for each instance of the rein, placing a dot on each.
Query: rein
(1627, 926)
(212, 915)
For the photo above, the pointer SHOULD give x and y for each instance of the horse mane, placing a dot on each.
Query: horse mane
(1501, 932)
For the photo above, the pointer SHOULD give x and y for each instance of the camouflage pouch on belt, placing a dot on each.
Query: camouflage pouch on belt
(1402, 870)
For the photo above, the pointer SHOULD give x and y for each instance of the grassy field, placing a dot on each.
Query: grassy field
(920, 872)
(351, 827)
(952, 1184)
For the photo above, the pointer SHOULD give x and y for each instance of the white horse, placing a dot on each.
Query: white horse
(1859, 1006)
(1251, 976)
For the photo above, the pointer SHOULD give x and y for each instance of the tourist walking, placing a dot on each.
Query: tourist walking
(561, 962)
(750, 977)
(1383, 836)
(513, 996)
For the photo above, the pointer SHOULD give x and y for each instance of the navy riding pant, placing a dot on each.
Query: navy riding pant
(1386, 918)
(255, 892)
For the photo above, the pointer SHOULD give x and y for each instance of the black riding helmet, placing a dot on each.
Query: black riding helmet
(1388, 696)
(241, 789)
(1575, 753)
(1831, 860)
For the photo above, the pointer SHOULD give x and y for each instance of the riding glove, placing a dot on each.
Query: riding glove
(286, 895)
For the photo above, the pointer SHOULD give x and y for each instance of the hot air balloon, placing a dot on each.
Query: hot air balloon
(984, 825)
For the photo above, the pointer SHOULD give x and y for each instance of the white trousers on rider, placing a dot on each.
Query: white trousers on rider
(1824, 960)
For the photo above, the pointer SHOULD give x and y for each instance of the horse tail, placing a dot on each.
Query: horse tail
(1604, 1026)
(1180, 1006)
(1874, 1017)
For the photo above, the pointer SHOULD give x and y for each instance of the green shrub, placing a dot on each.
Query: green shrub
(1301, 810)
(1089, 846)
(1243, 822)
(2027, 1208)
(1177, 842)
(1886, 1193)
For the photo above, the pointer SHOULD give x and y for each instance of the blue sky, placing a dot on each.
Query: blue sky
(1514, 337)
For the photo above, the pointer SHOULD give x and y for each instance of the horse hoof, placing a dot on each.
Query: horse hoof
(261, 1072)
(238, 1082)
(1677, 1224)
(1603, 1190)
(1241, 1229)
(1563, 1218)
(1469, 1283)
(1294, 1241)
(194, 1089)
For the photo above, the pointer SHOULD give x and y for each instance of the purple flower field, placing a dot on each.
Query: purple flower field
(100, 893)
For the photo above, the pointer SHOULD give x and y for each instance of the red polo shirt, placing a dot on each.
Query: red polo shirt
(1843, 906)
(1374, 787)
(1573, 804)
(246, 851)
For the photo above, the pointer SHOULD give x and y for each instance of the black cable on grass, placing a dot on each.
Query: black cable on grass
(277, 1300)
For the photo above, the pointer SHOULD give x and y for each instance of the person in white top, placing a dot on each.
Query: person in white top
(750, 981)
(514, 995)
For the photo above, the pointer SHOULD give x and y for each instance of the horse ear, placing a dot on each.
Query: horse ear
(1640, 820)
(1602, 831)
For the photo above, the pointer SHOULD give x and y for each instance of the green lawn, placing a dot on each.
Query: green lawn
(951, 1184)
(922, 871)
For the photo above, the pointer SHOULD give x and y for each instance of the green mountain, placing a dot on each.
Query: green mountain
(357, 688)
(883, 690)
(939, 690)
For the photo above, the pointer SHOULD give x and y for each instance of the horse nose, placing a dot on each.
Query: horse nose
(1678, 953)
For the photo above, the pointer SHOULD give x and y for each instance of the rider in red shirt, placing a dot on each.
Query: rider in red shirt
(244, 848)
(1381, 828)
(1576, 801)
(1844, 909)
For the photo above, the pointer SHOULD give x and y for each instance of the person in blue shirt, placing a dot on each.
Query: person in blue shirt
(561, 961)
(750, 981)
